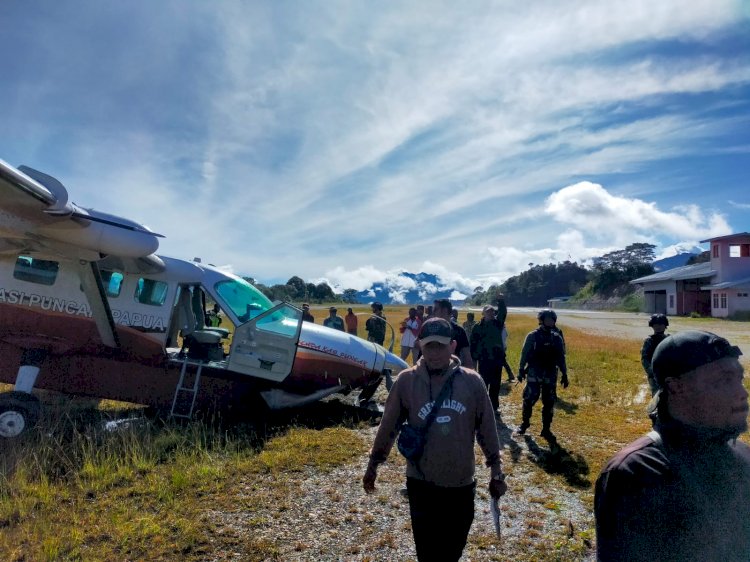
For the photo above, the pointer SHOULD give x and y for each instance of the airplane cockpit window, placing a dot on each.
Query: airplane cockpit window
(150, 291)
(284, 321)
(242, 298)
(34, 270)
(112, 281)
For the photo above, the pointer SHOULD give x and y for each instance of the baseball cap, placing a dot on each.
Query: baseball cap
(686, 351)
(488, 307)
(436, 329)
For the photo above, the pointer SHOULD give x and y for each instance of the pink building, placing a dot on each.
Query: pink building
(719, 288)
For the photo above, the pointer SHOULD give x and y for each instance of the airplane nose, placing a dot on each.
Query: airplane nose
(395, 363)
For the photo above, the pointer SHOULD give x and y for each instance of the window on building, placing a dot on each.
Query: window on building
(716, 251)
(723, 300)
(33, 270)
(112, 281)
(739, 251)
(150, 291)
(716, 300)
(671, 301)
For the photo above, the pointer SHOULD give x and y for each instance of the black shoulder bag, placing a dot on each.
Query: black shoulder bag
(412, 439)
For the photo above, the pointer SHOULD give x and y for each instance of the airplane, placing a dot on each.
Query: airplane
(88, 308)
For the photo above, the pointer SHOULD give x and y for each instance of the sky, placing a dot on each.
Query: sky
(349, 141)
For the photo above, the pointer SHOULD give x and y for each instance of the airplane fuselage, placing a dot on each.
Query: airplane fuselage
(43, 307)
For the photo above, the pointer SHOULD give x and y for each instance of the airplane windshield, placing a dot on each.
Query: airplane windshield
(246, 301)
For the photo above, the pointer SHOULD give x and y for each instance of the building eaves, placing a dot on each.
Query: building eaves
(728, 236)
(695, 271)
(728, 284)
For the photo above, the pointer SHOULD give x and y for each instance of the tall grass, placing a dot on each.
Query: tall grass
(73, 490)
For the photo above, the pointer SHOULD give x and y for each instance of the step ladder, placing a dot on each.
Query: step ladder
(186, 391)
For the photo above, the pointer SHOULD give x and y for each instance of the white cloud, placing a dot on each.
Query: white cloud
(620, 220)
(334, 134)
(358, 279)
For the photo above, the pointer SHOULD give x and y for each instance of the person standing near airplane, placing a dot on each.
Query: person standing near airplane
(334, 321)
(440, 479)
(375, 324)
(351, 322)
(411, 326)
(442, 309)
(487, 349)
(306, 316)
(468, 326)
(542, 354)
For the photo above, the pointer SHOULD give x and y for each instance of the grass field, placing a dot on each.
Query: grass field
(72, 490)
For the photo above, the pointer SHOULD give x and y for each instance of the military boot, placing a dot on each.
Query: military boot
(523, 427)
(547, 434)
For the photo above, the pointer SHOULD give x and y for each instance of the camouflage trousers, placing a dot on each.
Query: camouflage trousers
(548, 391)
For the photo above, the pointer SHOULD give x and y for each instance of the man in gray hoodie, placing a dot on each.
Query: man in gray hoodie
(441, 483)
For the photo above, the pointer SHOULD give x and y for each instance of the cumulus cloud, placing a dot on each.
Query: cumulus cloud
(507, 261)
(397, 284)
(302, 140)
(359, 279)
(595, 211)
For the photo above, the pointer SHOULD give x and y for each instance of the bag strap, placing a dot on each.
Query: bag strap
(439, 400)
(655, 437)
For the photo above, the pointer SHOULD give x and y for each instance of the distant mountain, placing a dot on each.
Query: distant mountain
(411, 288)
(678, 260)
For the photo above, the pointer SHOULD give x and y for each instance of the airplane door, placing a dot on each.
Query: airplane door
(265, 346)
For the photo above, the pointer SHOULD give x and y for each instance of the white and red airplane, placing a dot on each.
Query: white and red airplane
(87, 308)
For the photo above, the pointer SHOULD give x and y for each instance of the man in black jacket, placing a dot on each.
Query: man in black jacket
(683, 491)
(486, 344)
(542, 354)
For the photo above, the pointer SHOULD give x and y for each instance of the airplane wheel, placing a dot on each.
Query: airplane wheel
(19, 412)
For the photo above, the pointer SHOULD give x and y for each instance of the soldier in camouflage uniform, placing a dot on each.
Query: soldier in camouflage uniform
(375, 324)
(543, 353)
(658, 323)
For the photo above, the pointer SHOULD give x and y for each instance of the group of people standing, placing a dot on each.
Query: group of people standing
(375, 324)
(680, 493)
(450, 405)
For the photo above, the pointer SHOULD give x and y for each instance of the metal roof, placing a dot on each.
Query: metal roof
(695, 271)
(728, 236)
(728, 284)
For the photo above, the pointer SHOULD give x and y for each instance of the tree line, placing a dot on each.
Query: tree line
(296, 290)
(608, 276)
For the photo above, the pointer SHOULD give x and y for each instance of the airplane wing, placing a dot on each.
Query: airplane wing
(35, 214)
(36, 217)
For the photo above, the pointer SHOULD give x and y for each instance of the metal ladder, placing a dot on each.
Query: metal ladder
(186, 389)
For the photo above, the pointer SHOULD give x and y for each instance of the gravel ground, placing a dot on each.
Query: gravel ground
(630, 325)
(333, 519)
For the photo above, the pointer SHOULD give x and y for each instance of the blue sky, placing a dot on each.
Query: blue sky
(348, 141)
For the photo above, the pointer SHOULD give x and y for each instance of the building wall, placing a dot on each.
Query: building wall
(729, 268)
(739, 300)
(656, 297)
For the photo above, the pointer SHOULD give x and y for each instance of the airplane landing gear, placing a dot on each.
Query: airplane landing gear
(368, 392)
(19, 412)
